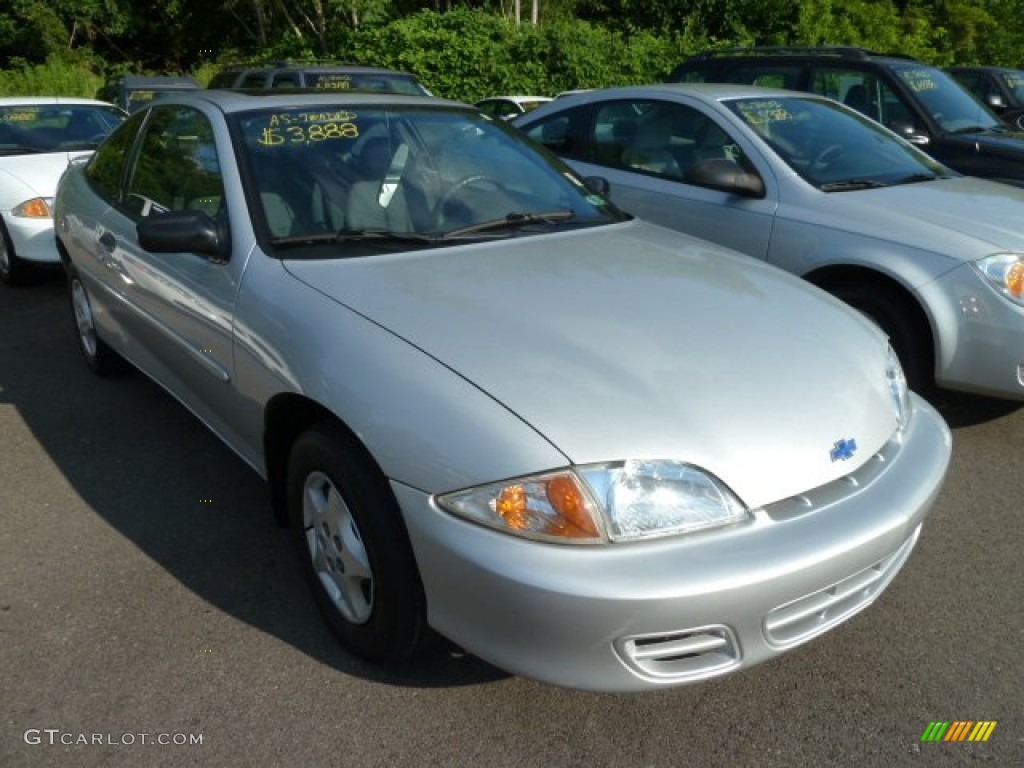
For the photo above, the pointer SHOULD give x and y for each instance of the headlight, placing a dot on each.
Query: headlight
(36, 208)
(594, 504)
(1005, 272)
(898, 389)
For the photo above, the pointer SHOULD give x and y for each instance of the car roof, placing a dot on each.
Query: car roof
(981, 68)
(29, 101)
(703, 91)
(847, 52)
(309, 67)
(230, 101)
(162, 81)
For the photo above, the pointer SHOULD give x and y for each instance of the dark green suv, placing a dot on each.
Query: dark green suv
(321, 75)
(920, 102)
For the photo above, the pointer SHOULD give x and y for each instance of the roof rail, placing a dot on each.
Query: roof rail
(840, 51)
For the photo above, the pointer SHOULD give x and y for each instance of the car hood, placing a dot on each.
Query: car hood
(633, 341)
(962, 218)
(1008, 144)
(28, 176)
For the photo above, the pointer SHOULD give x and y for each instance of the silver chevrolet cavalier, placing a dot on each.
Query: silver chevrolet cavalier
(587, 449)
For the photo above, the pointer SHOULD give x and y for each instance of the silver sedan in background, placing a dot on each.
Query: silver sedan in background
(814, 187)
(585, 448)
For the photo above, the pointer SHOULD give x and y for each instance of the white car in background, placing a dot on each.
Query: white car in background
(39, 137)
(508, 107)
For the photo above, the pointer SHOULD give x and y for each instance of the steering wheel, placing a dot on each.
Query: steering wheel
(827, 156)
(482, 180)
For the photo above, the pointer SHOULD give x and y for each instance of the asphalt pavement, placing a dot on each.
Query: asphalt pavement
(152, 614)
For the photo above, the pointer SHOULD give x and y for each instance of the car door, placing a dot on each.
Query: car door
(181, 304)
(645, 146)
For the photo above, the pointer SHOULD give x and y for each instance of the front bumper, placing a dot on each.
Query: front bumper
(33, 239)
(639, 616)
(981, 335)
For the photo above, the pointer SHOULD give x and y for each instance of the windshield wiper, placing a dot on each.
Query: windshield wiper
(511, 221)
(848, 185)
(916, 177)
(346, 235)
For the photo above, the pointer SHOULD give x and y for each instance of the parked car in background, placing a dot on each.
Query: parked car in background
(1001, 88)
(507, 107)
(322, 75)
(806, 184)
(133, 91)
(921, 103)
(586, 448)
(39, 136)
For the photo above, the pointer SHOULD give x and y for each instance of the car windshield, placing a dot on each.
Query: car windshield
(834, 147)
(951, 105)
(405, 175)
(37, 128)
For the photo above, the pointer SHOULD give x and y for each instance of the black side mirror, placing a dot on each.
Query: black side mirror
(725, 176)
(995, 102)
(184, 231)
(598, 185)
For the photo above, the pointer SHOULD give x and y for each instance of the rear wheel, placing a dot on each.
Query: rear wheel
(902, 322)
(354, 547)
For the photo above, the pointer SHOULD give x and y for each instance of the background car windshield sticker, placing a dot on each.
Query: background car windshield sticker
(308, 128)
(843, 449)
(919, 79)
(20, 115)
(334, 82)
(1014, 82)
(760, 114)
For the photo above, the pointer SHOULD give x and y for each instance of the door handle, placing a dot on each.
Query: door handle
(108, 241)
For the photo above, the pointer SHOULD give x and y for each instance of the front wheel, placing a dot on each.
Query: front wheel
(354, 547)
(902, 322)
(100, 358)
(13, 270)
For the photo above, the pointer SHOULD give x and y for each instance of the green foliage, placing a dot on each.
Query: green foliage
(54, 78)
(468, 54)
(468, 49)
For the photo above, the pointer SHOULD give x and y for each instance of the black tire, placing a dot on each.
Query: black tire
(354, 548)
(101, 359)
(13, 270)
(903, 323)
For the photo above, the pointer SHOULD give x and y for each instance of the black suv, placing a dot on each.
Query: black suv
(918, 101)
(1001, 88)
(321, 75)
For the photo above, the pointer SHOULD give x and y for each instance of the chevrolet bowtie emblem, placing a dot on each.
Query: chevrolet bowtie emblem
(843, 450)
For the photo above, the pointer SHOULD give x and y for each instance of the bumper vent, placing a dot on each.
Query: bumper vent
(815, 613)
(690, 653)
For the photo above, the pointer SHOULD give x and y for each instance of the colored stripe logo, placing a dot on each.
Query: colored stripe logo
(959, 730)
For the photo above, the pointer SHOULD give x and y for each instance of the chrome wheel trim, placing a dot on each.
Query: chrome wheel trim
(336, 549)
(83, 318)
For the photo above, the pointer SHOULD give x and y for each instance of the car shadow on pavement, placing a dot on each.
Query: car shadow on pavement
(155, 474)
(960, 409)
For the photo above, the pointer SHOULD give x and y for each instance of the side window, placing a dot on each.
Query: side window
(253, 80)
(177, 166)
(868, 94)
(768, 76)
(559, 133)
(655, 137)
(106, 167)
(658, 137)
(286, 80)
